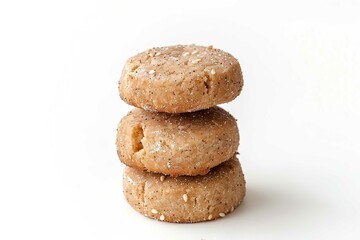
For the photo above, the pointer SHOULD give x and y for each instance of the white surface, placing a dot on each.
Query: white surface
(298, 115)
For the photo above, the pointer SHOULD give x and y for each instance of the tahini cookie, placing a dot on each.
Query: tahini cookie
(181, 78)
(186, 198)
(177, 144)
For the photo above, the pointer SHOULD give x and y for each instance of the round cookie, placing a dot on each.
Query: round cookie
(181, 78)
(177, 144)
(186, 198)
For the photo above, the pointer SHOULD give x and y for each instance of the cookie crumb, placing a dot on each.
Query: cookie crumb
(168, 165)
(210, 47)
(162, 178)
(194, 52)
(152, 71)
(185, 197)
(154, 211)
(212, 71)
(210, 217)
(222, 214)
(151, 54)
(162, 217)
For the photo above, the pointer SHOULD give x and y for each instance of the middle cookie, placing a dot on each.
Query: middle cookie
(177, 144)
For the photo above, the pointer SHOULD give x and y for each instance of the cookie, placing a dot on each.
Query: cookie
(181, 78)
(177, 144)
(186, 198)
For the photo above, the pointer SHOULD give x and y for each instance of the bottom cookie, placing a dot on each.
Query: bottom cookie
(186, 199)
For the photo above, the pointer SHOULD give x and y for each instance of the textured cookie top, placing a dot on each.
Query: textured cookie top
(210, 120)
(178, 62)
(187, 77)
(222, 172)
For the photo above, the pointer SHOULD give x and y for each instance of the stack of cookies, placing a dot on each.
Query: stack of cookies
(179, 147)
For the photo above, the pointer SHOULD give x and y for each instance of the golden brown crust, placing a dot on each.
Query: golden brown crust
(186, 198)
(181, 78)
(177, 144)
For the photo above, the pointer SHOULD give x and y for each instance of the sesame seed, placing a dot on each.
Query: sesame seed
(194, 52)
(181, 127)
(151, 54)
(210, 217)
(168, 165)
(196, 60)
(162, 178)
(151, 71)
(232, 209)
(157, 54)
(162, 217)
(222, 214)
(185, 197)
(212, 71)
(154, 211)
(185, 54)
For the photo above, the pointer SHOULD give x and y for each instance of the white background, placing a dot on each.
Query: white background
(298, 114)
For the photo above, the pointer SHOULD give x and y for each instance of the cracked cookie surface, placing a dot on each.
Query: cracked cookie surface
(177, 144)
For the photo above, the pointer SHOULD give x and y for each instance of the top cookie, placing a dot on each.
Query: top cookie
(181, 78)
